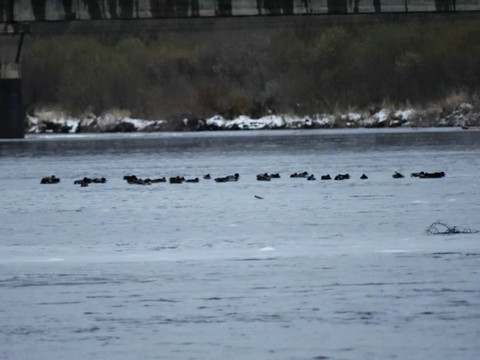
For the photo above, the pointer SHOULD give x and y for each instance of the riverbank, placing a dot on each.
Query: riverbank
(464, 115)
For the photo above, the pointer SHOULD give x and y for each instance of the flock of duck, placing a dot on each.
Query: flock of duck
(134, 180)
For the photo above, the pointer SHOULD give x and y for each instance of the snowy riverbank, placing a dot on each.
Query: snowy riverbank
(49, 121)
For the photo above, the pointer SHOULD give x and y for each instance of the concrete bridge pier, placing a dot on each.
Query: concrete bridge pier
(11, 108)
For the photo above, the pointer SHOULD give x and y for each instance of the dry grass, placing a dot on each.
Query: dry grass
(454, 100)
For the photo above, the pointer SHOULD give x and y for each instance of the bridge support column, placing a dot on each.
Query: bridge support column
(11, 108)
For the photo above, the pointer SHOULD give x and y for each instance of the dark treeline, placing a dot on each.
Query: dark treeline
(252, 73)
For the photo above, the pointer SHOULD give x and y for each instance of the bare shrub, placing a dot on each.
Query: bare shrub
(454, 100)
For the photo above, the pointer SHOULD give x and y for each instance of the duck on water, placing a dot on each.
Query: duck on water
(50, 180)
(228, 178)
(427, 175)
(133, 179)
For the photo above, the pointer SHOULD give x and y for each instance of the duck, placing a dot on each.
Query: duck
(228, 178)
(143, 182)
(50, 180)
(196, 180)
(85, 180)
(311, 178)
(275, 176)
(364, 177)
(434, 175)
(176, 180)
(427, 175)
(326, 177)
(207, 177)
(263, 177)
(234, 177)
(159, 180)
(131, 179)
(342, 177)
(397, 175)
(303, 174)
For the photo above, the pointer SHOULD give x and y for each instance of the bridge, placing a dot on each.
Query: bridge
(52, 17)
(61, 10)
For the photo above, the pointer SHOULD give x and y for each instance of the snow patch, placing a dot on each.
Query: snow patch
(324, 120)
(216, 121)
(51, 122)
(406, 114)
(466, 106)
(381, 116)
(245, 123)
(141, 125)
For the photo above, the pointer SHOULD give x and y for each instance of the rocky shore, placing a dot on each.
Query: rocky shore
(49, 121)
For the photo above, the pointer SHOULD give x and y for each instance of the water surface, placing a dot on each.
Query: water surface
(314, 270)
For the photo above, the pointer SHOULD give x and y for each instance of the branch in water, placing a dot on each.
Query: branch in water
(440, 228)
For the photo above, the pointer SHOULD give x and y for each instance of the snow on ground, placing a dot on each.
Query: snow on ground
(142, 125)
(117, 121)
(216, 121)
(405, 114)
(324, 120)
(270, 122)
(60, 124)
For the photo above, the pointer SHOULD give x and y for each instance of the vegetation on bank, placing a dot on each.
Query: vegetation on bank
(256, 73)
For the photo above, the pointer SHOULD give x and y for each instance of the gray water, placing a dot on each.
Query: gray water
(314, 270)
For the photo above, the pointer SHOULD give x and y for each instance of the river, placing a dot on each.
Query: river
(285, 269)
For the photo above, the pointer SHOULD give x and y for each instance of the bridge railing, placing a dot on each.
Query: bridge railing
(64, 10)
